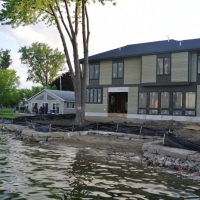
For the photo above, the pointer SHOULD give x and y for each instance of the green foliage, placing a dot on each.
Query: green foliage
(5, 60)
(7, 113)
(26, 12)
(8, 87)
(43, 62)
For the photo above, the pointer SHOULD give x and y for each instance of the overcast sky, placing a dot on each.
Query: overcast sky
(130, 22)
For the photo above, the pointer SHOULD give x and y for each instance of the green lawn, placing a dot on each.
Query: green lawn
(7, 113)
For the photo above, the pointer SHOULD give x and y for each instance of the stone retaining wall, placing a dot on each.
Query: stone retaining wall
(158, 155)
(25, 133)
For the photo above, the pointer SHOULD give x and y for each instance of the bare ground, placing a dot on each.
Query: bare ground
(124, 145)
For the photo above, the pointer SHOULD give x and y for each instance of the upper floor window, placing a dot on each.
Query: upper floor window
(118, 69)
(198, 64)
(94, 71)
(163, 66)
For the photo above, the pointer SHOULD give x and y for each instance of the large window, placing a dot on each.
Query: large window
(94, 71)
(94, 95)
(153, 103)
(180, 103)
(142, 102)
(118, 69)
(55, 107)
(190, 101)
(177, 103)
(163, 66)
(165, 100)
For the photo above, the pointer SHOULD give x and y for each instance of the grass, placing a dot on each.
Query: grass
(7, 113)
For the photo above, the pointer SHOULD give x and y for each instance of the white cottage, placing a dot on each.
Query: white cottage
(52, 101)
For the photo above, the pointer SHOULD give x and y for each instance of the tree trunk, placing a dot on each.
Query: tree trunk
(78, 75)
(79, 91)
(80, 114)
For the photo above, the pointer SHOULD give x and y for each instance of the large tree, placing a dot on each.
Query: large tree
(57, 12)
(43, 62)
(5, 59)
(8, 85)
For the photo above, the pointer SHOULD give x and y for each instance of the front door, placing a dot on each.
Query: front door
(118, 102)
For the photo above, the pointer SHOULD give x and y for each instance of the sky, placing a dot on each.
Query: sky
(129, 22)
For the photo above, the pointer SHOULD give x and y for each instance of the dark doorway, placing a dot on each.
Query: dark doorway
(118, 102)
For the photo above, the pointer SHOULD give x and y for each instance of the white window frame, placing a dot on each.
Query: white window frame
(70, 105)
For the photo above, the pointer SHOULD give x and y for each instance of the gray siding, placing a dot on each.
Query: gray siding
(100, 108)
(179, 68)
(132, 100)
(198, 100)
(149, 69)
(105, 72)
(193, 71)
(132, 71)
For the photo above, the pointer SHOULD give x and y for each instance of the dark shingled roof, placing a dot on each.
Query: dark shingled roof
(64, 95)
(149, 48)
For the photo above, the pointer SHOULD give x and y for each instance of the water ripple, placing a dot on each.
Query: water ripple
(57, 171)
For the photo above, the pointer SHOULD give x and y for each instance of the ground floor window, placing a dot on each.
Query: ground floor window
(142, 101)
(55, 107)
(153, 103)
(177, 103)
(190, 101)
(167, 103)
(94, 95)
(70, 105)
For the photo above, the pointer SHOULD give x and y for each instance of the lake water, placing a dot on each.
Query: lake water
(57, 171)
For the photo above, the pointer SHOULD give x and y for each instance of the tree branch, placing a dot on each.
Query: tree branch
(76, 20)
(69, 18)
(64, 43)
(63, 22)
(46, 11)
(88, 24)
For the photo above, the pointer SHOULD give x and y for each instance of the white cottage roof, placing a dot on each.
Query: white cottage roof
(68, 96)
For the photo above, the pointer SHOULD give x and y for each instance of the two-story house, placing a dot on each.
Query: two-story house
(156, 80)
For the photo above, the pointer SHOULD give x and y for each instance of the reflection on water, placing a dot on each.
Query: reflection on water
(57, 171)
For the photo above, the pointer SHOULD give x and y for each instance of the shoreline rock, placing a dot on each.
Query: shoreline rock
(150, 150)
